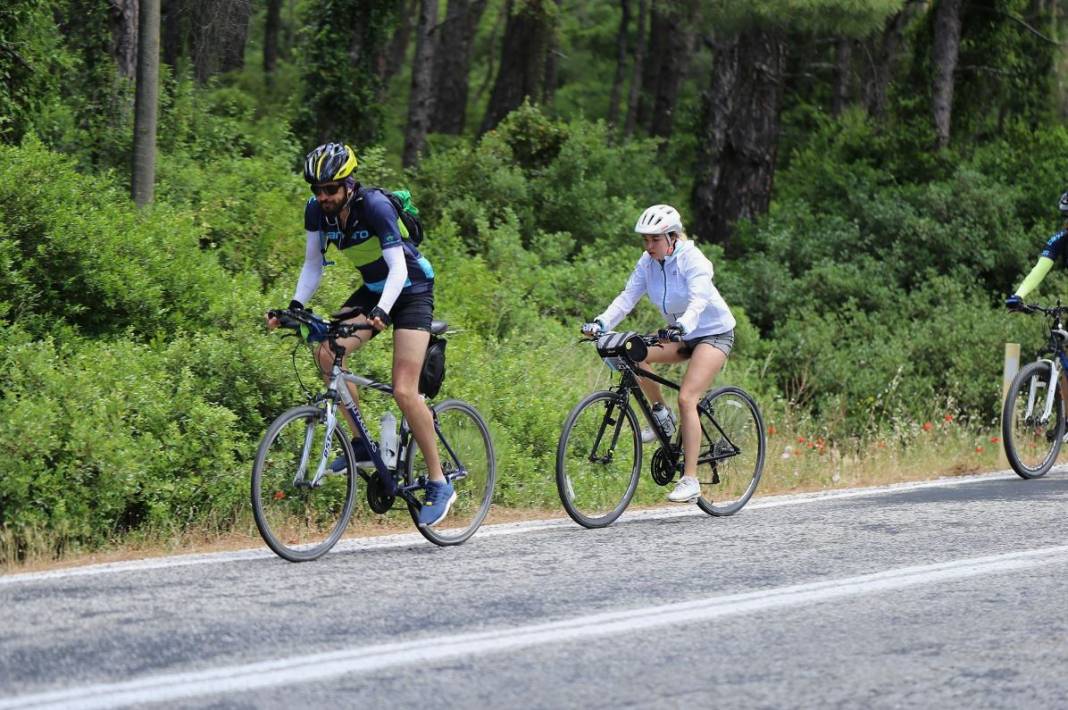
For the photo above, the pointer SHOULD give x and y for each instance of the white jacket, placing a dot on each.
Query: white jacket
(681, 288)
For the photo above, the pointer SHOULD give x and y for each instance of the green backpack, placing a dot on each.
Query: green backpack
(408, 212)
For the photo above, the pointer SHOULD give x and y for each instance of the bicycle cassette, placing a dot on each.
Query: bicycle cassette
(662, 468)
(377, 498)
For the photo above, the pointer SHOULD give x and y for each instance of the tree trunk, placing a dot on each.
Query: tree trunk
(522, 72)
(843, 76)
(123, 15)
(656, 47)
(392, 59)
(739, 140)
(219, 31)
(621, 62)
(340, 59)
(944, 60)
(172, 30)
(552, 57)
(635, 92)
(674, 53)
(146, 103)
(270, 37)
(235, 37)
(421, 98)
(452, 64)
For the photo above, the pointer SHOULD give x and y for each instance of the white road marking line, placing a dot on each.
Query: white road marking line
(319, 666)
(495, 530)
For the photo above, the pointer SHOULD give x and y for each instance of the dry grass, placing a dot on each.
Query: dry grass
(924, 450)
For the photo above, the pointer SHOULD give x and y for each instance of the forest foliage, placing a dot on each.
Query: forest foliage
(135, 373)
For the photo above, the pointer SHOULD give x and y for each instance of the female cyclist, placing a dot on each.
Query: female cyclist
(677, 277)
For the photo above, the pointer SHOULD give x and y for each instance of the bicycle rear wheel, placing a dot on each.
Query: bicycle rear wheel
(733, 445)
(467, 459)
(598, 459)
(1032, 441)
(297, 521)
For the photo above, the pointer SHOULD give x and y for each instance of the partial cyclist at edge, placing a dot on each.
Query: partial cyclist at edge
(678, 279)
(397, 290)
(1056, 248)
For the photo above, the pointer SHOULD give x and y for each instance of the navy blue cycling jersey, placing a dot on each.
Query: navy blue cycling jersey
(372, 227)
(1056, 246)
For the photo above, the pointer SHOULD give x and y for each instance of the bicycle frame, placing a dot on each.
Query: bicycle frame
(338, 394)
(628, 385)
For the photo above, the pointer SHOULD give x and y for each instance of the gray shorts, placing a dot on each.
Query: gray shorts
(722, 341)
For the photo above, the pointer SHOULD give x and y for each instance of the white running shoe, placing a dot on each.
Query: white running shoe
(687, 490)
(648, 436)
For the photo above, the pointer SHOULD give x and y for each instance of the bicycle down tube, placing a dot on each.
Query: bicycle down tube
(643, 403)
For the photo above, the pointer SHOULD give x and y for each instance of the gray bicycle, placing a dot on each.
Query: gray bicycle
(302, 505)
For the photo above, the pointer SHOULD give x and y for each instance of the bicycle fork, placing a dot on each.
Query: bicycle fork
(616, 424)
(324, 453)
(1051, 389)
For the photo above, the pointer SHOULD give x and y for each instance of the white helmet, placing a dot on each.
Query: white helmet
(659, 219)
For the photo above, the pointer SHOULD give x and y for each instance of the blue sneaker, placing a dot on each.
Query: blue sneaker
(363, 457)
(440, 495)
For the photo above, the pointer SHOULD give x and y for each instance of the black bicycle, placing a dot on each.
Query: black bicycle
(1032, 419)
(599, 457)
(302, 505)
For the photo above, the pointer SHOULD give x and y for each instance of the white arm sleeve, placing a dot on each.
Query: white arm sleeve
(312, 272)
(699, 284)
(398, 274)
(626, 300)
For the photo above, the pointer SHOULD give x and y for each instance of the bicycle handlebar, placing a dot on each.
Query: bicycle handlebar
(648, 339)
(294, 319)
(1046, 310)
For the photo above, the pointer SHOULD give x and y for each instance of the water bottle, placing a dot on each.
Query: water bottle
(663, 418)
(387, 439)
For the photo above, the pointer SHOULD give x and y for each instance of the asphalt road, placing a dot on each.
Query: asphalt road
(951, 594)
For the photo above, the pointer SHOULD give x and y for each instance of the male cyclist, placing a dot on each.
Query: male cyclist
(397, 290)
(1055, 249)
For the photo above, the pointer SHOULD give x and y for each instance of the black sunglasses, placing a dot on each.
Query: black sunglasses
(329, 190)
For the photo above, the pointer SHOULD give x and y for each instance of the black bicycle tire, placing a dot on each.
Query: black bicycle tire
(1011, 450)
(269, 537)
(561, 451)
(491, 477)
(709, 506)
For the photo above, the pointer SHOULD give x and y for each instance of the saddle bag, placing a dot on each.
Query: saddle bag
(433, 372)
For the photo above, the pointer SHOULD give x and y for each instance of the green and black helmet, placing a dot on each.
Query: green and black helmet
(329, 162)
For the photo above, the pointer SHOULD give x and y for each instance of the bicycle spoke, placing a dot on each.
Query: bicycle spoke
(467, 460)
(731, 459)
(1032, 423)
(596, 474)
(298, 520)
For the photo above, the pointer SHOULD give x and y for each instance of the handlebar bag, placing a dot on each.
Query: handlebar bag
(628, 345)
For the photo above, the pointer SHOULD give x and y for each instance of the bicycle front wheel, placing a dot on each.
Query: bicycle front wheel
(301, 519)
(1032, 439)
(731, 459)
(598, 459)
(467, 459)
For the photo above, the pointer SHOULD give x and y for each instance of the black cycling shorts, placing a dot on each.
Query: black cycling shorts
(411, 311)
